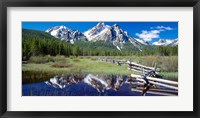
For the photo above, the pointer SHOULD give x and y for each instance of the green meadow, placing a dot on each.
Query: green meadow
(41, 68)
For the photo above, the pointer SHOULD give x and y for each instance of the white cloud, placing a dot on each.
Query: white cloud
(148, 35)
(162, 28)
(153, 33)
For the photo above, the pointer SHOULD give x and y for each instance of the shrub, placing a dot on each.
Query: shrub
(41, 59)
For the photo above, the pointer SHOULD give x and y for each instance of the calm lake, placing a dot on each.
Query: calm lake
(90, 85)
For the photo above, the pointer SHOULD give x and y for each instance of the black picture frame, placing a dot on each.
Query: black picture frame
(100, 3)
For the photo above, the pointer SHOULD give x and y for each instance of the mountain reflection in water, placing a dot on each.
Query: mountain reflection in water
(100, 83)
(90, 85)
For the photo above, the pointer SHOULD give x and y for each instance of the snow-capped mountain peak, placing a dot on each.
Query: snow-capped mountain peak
(100, 24)
(64, 33)
(95, 32)
(57, 28)
(63, 27)
(166, 42)
(103, 32)
(112, 34)
(116, 26)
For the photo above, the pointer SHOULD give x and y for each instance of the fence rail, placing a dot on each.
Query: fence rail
(148, 79)
(140, 68)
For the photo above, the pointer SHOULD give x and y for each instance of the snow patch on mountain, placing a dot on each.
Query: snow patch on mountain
(142, 41)
(175, 43)
(166, 42)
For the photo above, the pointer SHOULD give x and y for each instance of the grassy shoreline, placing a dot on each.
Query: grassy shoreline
(42, 68)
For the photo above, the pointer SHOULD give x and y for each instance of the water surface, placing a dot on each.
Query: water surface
(90, 85)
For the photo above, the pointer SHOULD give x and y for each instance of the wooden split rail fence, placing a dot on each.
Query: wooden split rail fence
(157, 81)
(149, 81)
(155, 85)
(146, 82)
(141, 68)
(119, 62)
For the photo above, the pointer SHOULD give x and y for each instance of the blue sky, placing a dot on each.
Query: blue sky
(148, 31)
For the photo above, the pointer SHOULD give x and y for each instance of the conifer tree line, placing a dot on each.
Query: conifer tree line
(41, 44)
